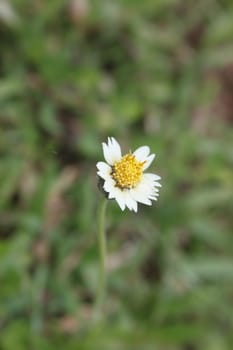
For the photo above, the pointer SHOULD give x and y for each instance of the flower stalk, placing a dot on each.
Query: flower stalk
(102, 256)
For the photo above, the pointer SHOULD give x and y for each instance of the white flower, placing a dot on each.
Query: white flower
(123, 176)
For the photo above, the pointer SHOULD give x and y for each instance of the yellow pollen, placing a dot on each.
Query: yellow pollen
(127, 172)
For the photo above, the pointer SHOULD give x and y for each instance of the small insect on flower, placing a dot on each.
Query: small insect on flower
(123, 177)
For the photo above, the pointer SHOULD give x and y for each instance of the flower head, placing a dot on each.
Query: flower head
(123, 177)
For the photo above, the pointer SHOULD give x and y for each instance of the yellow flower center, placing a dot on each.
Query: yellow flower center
(127, 172)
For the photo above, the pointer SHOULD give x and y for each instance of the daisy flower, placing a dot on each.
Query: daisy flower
(123, 177)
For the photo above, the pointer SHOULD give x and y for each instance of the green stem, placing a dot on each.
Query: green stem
(102, 256)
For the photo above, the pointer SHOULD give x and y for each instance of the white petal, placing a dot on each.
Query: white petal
(128, 200)
(148, 162)
(108, 154)
(109, 185)
(145, 185)
(149, 183)
(112, 151)
(154, 193)
(120, 198)
(141, 153)
(131, 202)
(140, 196)
(152, 177)
(144, 200)
(135, 206)
(145, 191)
(113, 190)
(104, 170)
(112, 193)
(128, 203)
(155, 190)
(117, 149)
(153, 198)
(102, 165)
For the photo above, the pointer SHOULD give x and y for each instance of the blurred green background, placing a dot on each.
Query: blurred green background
(154, 72)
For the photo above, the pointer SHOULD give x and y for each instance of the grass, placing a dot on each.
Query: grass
(152, 72)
